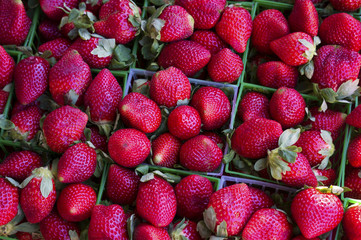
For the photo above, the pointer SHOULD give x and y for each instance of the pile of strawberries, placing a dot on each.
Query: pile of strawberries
(89, 154)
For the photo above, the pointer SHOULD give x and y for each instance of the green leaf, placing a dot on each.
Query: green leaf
(229, 157)
(289, 137)
(261, 164)
(122, 57)
(84, 34)
(147, 177)
(105, 48)
(6, 124)
(348, 90)
(87, 134)
(46, 186)
(222, 229)
(203, 230)
(71, 97)
(161, 2)
(329, 95)
(13, 182)
(183, 102)
(210, 218)
(27, 227)
(287, 155)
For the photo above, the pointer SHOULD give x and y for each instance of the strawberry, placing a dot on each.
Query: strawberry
(4, 95)
(165, 150)
(156, 202)
(304, 18)
(14, 23)
(129, 147)
(269, 25)
(193, 193)
(200, 154)
(253, 105)
(352, 222)
(18, 107)
(145, 231)
(215, 138)
(185, 229)
(230, 63)
(353, 181)
(316, 211)
(102, 97)
(77, 164)
(122, 185)
(353, 119)
(330, 174)
(354, 152)
(93, 5)
(9, 200)
(48, 30)
(294, 49)
(188, 56)
(184, 122)
(169, 86)
(98, 140)
(346, 6)
(235, 27)
(63, 126)
(229, 209)
(37, 198)
(57, 47)
(268, 223)
(27, 123)
(76, 202)
(70, 74)
(209, 40)
(205, 13)
(213, 106)
(7, 65)
(259, 199)
(341, 29)
(276, 74)
(28, 236)
(54, 227)
(300, 237)
(108, 222)
(19, 165)
(52, 9)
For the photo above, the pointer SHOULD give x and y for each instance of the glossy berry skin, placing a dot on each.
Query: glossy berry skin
(352, 222)
(259, 199)
(193, 193)
(354, 152)
(122, 185)
(27, 123)
(138, 111)
(300, 237)
(353, 119)
(27, 236)
(225, 66)
(209, 40)
(341, 29)
(108, 222)
(57, 47)
(304, 18)
(200, 154)
(165, 149)
(269, 25)
(129, 147)
(76, 201)
(276, 74)
(316, 213)
(9, 200)
(54, 227)
(184, 122)
(235, 27)
(19, 165)
(77, 164)
(262, 135)
(253, 105)
(169, 86)
(353, 181)
(7, 65)
(189, 231)
(3, 100)
(145, 231)
(346, 6)
(156, 202)
(188, 56)
(102, 97)
(48, 30)
(31, 79)
(51, 8)
(268, 224)
(215, 137)
(329, 173)
(213, 107)
(99, 141)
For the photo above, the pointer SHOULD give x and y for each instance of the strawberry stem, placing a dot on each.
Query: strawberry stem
(20, 145)
(7, 238)
(102, 182)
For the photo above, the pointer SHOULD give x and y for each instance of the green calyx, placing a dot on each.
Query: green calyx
(166, 176)
(46, 185)
(336, 190)
(328, 151)
(311, 47)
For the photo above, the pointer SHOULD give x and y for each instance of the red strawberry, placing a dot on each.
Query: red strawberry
(76, 201)
(209, 40)
(48, 30)
(200, 154)
(145, 231)
(63, 126)
(27, 123)
(341, 29)
(4, 95)
(9, 200)
(77, 164)
(193, 193)
(138, 111)
(71, 73)
(169, 86)
(7, 65)
(213, 107)
(186, 229)
(268, 223)
(225, 66)
(353, 181)
(28, 236)
(205, 13)
(156, 202)
(232, 205)
(353, 119)
(354, 152)
(57, 47)
(165, 150)
(54, 227)
(269, 25)
(352, 222)
(18, 107)
(215, 138)
(346, 6)
(235, 27)
(300, 237)
(259, 199)
(102, 97)
(98, 140)
(38, 195)
(52, 8)
(129, 147)
(184, 122)
(188, 56)
(122, 185)
(316, 212)
(330, 174)
(19, 165)
(276, 74)
(108, 222)
(304, 18)
(294, 49)
(14, 23)
(253, 105)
